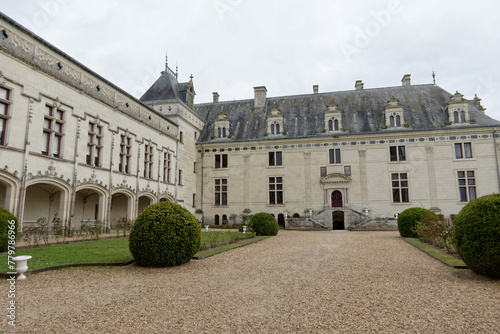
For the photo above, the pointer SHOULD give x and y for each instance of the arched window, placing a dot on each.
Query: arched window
(296, 215)
(217, 221)
(391, 121)
(398, 121)
(277, 129)
(336, 124)
(224, 132)
(224, 219)
(462, 116)
(330, 125)
(455, 117)
(272, 129)
(220, 134)
(281, 220)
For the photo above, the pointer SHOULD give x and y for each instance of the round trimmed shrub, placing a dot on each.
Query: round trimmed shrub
(165, 234)
(409, 218)
(5, 227)
(476, 235)
(264, 224)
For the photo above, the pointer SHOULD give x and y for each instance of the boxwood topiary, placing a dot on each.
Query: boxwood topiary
(264, 224)
(476, 235)
(409, 218)
(5, 227)
(164, 234)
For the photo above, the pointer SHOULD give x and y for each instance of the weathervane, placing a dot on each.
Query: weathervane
(433, 76)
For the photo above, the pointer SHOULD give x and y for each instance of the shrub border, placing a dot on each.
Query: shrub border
(437, 254)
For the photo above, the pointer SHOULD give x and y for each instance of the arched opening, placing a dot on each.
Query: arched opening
(462, 116)
(121, 206)
(224, 132)
(336, 199)
(330, 125)
(338, 220)
(89, 205)
(224, 219)
(272, 129)
(217, 220)
(9, 187)
(277, 129)
(336, 125)
(45, 200)
(296, 215)
(455, 117)
(3, 195)
(281, 220)
(220, 132)
(144, 202)
(391, 121)
(398, 121)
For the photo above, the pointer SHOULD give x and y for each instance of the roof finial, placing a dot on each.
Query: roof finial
(433, 76)
(176, 70)
(166, 61)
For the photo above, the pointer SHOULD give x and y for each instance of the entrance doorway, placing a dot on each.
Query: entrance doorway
(281, 220)
(336, 199)
(338, 220)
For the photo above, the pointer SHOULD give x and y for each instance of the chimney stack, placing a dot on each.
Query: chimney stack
(259, 96)
(406, 80)
(216, 97)
(359, 85)
(316, 89)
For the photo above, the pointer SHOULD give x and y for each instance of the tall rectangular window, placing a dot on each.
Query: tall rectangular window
(467, 185)
(125, 154)
(398, 153)
(275, 190)
(167, 163)
(94, 145)
(463, 150)
(52, 135)
(275, 159)
(334, 156)
(194, 200)
(181, 137)
(400, 187)
(220, 192)
(180, 177)
(148, 161)
(5, 103)
(221, 161)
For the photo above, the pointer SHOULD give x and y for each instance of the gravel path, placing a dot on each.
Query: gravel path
(296, 282)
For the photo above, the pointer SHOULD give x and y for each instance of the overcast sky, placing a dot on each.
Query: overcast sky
(231, 46)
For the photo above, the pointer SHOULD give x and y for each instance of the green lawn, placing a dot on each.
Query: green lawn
(102, 251)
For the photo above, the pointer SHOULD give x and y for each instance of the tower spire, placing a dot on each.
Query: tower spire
(166, 60)
(433, 76)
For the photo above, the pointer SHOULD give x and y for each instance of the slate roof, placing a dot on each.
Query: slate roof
(166, 88)
(362, 112)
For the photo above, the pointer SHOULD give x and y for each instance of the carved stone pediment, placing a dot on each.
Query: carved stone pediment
(335, 178)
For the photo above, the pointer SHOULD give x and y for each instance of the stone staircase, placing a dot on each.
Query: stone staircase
(304, 224)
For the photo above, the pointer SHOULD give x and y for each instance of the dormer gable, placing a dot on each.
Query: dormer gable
(221, 126)
(394, 117)
(275, 122)
(458, 109)
(333, 117)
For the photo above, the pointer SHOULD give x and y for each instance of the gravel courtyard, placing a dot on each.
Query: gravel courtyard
(296, 282)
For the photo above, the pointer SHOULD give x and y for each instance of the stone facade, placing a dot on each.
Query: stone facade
(75, 146)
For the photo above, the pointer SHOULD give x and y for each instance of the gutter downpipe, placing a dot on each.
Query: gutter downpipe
(496, 157)
(202, 171)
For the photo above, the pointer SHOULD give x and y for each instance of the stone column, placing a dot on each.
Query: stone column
(363, 177)
(307, 180)
(431, 171)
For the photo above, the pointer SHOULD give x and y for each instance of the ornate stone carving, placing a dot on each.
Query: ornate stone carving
(336, 178)
(362, 153)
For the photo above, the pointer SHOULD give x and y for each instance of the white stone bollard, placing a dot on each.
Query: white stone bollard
(206, 228)
(244, 229)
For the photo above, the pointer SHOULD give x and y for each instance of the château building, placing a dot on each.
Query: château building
(75, 146)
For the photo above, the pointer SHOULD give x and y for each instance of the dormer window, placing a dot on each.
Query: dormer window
(394, 114)
(333, 117)
(458, 109)
(275, 122)
(221, 128)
